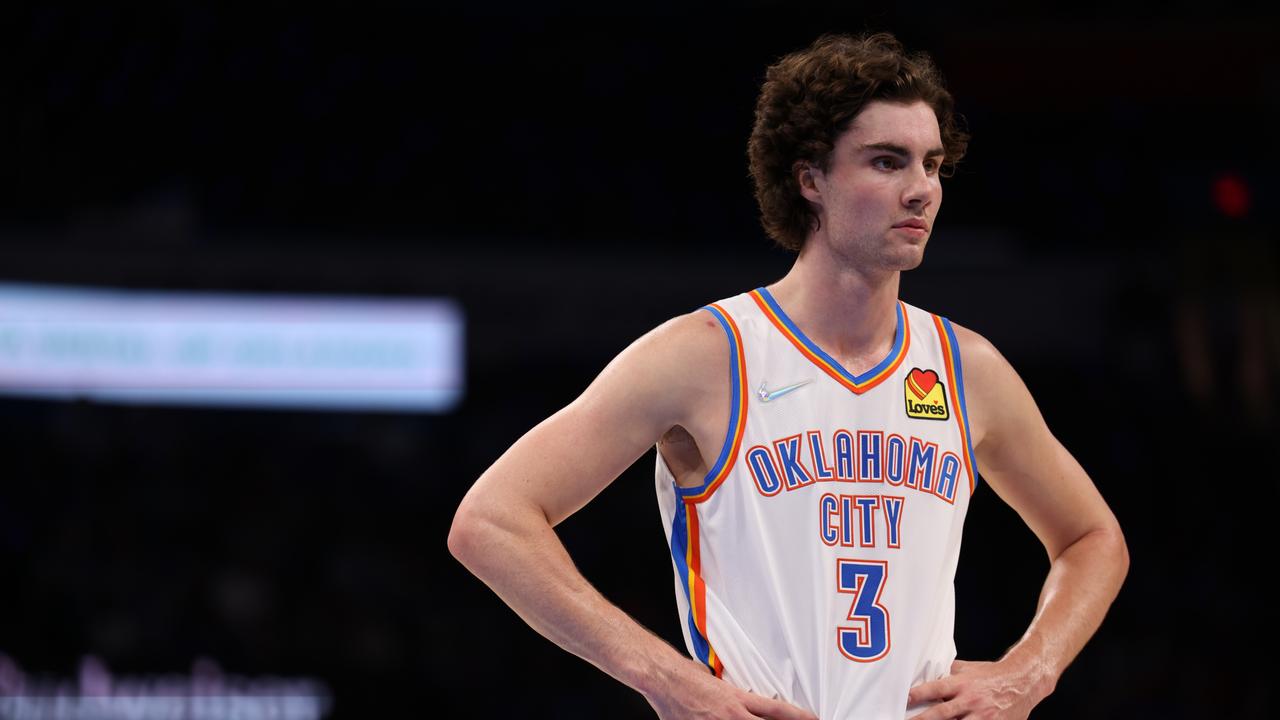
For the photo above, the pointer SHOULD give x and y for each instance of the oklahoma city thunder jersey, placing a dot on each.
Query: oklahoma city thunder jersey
(816, 562)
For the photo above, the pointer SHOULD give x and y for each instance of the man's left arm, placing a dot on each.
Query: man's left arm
(1031, 471)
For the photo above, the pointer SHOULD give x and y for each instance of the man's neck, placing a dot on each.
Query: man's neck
(849, 313)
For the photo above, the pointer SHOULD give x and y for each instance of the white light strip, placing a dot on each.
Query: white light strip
(231, 349)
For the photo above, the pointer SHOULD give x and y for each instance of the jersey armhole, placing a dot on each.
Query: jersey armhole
(955, 375)
(737, 412)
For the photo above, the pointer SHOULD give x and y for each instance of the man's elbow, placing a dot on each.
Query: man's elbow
(465, 532)
(485, 529)
(1122, 553)
(1112, 549)
(1105, 546)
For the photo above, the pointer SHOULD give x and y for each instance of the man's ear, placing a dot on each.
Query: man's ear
(807, 177)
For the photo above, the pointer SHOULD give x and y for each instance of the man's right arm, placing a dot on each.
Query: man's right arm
(503, 532)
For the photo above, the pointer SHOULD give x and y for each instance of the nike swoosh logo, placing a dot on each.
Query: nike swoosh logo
(766, 395)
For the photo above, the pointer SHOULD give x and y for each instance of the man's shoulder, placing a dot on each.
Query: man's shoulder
(668, 373)
(988, 376)
(689, 353)
(977, 353)
(978, 356)
(692, 340)
(705, 329)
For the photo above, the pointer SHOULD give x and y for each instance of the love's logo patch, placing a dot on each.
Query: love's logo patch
(926, 396)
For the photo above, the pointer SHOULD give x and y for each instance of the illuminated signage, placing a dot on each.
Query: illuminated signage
(316, 352)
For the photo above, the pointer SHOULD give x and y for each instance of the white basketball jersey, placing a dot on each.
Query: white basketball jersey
(816, 562)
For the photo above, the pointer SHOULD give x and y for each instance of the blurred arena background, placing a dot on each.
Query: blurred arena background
(560, 178)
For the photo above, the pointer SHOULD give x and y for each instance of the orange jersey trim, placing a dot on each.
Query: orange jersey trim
(856, 384)
(949, 359)
(737, 415)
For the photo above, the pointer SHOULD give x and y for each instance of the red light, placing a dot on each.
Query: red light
(1231, 195)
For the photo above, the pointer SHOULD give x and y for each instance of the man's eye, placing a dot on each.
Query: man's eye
(884, 163)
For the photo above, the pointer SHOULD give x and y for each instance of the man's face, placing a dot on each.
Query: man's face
(882, 179)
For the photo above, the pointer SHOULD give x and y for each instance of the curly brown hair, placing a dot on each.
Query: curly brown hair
(812, 96)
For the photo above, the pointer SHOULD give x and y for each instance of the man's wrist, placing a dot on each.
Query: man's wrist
(653, 676)
(1031, 663)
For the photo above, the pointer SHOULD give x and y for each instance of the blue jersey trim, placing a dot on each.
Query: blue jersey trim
(735, 409)
(679, 547)
(964, 408)
(898, 338)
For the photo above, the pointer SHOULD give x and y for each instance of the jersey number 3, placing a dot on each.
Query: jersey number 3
(867, 640)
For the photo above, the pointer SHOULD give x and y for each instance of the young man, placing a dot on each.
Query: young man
(818, 444)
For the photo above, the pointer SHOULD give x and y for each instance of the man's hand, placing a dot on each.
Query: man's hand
(694, 694)
(980, 691)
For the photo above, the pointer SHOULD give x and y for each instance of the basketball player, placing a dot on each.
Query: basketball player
(818, 443)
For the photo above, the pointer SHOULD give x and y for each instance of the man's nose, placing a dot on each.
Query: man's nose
(919, 189)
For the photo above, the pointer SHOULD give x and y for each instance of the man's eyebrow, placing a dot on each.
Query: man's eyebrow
(900, 150)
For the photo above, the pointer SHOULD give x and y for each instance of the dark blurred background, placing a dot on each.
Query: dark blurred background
(574, 175)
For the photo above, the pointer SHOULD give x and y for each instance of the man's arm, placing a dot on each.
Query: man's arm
(503, 532)
(1031, 471)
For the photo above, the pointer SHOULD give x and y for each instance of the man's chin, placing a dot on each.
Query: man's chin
(910, 259)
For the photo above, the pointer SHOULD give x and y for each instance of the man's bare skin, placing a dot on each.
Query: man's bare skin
(671, 387)
(503, 529)
(681, 454)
